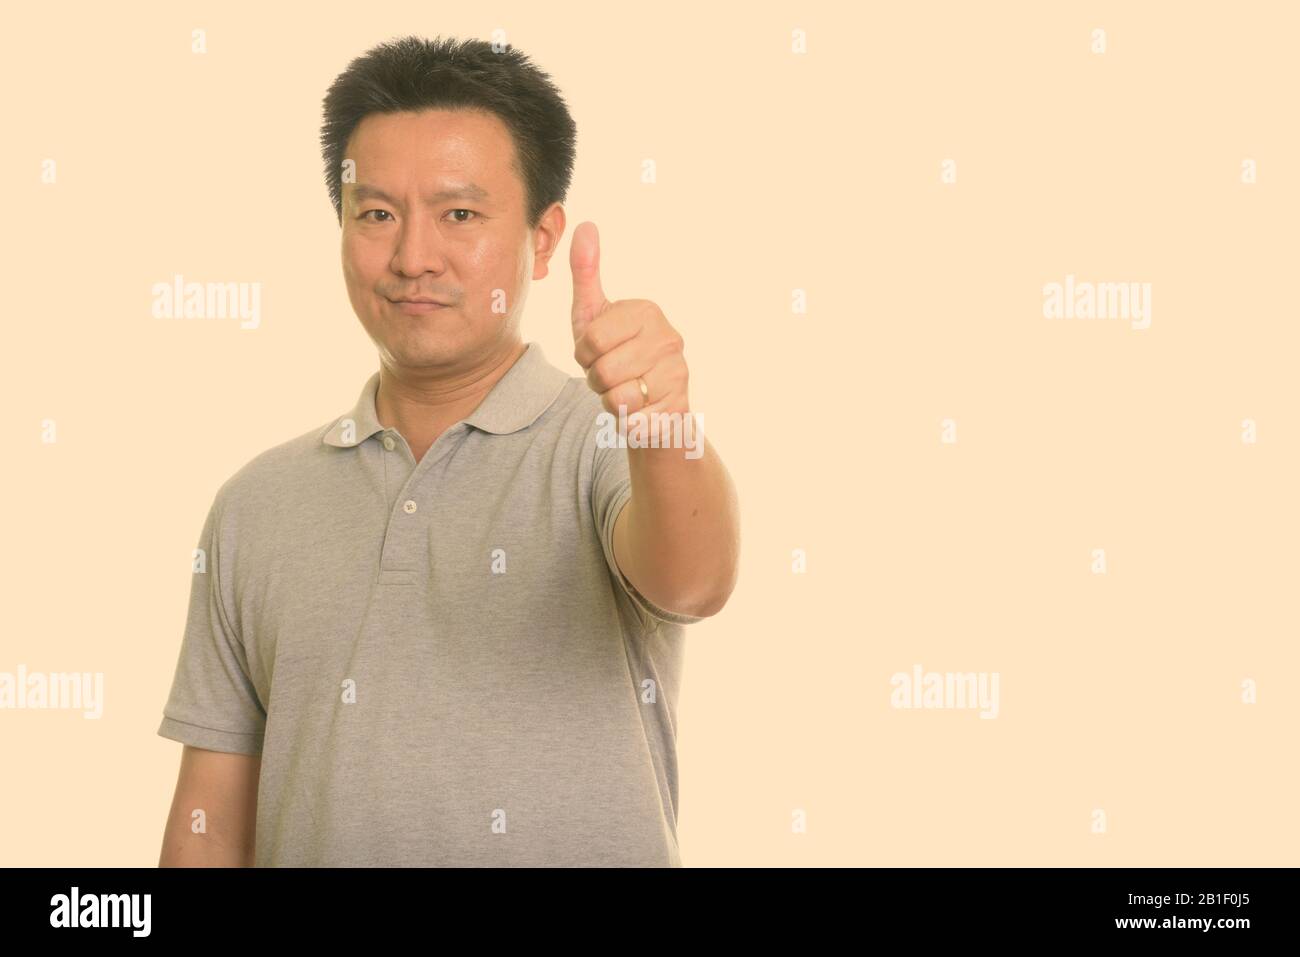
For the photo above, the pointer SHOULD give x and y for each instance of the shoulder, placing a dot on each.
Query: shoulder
(577, 405)
(262, 480)
(575, 418)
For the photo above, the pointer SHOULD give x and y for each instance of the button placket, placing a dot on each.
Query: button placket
(399, 562)
(395, 568)
(405, 535)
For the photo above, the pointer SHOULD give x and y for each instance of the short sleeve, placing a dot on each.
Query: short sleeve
(611, 489)
(213, 703)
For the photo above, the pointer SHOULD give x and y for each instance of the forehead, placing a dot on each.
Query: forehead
(397, 151)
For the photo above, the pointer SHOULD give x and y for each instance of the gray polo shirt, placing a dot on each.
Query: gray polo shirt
(439, 663)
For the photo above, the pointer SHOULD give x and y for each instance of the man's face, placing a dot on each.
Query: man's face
(437, 212)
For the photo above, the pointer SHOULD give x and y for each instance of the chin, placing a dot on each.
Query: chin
(426, 351)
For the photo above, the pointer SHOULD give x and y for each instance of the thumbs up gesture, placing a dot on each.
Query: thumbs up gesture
(622, 344)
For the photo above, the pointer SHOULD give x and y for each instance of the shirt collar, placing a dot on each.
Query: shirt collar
(518, 399)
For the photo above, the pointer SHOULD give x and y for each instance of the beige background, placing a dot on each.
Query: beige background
(776, 171)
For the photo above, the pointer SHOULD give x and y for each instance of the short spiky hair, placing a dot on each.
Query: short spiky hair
(412, 74)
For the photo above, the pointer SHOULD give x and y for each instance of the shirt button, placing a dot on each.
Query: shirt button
(388, 442)
(409, 506)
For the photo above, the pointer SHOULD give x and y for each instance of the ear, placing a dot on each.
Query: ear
(546, 239)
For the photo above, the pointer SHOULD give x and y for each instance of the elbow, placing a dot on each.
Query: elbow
(712, 602)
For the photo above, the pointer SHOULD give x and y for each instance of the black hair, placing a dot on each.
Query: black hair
(413, 74)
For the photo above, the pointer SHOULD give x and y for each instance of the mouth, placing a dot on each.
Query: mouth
(418, 307)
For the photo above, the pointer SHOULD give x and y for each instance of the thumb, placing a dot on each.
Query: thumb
(584, 259)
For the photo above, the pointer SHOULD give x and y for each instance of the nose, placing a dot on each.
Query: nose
(419, 248)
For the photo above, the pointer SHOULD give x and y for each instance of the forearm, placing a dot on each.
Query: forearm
(682, 529)
(213, 817)
(183, 848)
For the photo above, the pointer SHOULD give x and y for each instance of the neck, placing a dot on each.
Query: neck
(422, 406)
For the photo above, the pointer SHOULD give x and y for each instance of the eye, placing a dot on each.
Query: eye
(369, 211)
(463, 211)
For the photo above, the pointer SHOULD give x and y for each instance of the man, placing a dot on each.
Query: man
(446, 627)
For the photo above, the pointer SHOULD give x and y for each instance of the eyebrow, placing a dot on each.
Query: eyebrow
(361, 192)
